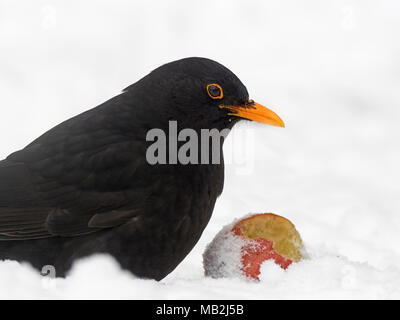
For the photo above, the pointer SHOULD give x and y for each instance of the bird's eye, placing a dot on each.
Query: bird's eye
(215, 91)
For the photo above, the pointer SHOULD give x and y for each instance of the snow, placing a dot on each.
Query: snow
(222, 256)
(329, 69)
(100, 277)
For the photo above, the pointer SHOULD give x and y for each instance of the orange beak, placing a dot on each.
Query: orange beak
(256, 112)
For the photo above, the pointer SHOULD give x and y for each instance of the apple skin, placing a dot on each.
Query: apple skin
(256, 252)
(269, 236)
(240, 248)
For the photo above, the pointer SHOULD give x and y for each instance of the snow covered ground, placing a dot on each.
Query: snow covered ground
(330, 69)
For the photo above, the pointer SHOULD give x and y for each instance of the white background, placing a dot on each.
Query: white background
(330, 69)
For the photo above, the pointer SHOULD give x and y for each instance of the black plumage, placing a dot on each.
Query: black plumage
(85, 186)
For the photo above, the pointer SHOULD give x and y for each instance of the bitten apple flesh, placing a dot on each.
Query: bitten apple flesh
(249, 242)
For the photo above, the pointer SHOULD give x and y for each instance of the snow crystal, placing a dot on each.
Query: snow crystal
(222, 257)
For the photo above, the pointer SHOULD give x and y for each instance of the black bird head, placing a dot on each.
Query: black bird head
(200, 93)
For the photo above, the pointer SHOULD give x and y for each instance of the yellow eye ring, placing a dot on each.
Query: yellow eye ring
(214, 91)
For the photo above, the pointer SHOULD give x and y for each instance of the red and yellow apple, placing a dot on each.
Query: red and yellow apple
(256, 238)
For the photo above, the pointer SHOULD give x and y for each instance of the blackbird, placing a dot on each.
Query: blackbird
(86, 186)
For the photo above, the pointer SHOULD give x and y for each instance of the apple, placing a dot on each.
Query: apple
(243, 246)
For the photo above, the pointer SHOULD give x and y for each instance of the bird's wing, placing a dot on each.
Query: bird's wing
(80, 177)
(36, 223)
(30, 210)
